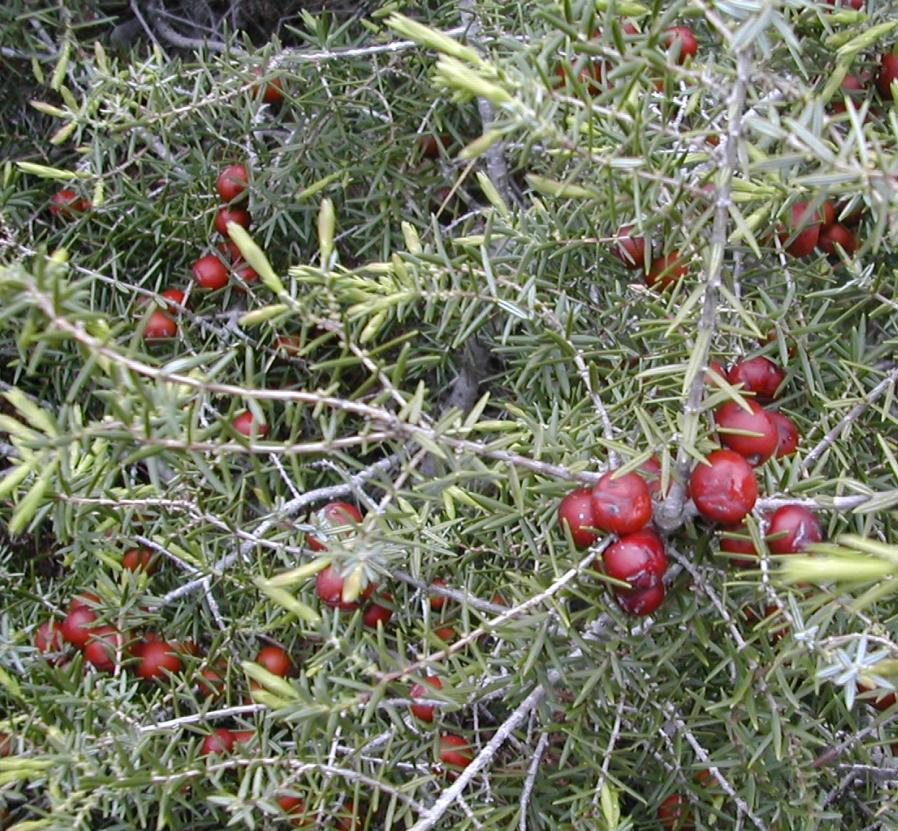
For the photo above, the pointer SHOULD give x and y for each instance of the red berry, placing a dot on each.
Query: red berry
(787, 434)
(642, 602)
(157, 659)
(274, 91)
(437, 601)
(331, 516)
(756, 448)
(246, 424)
(834, 235)
(140, 559)
(628, 249)
(650, 471)
(717, 367)
(160, 327)
(804, 231)
(575, 512)
(226, 215)
(230, 249)
(246, 273)
(177, 296)
(296, 809)
(666, 270)
(432, 144)
(49, 638)
(682, 40)
(792, 528)
(674, 813)
(621, 505)
(210, 683)
(84, 600)
(827, 212)
(425, 712)
(220, 740)
(455, 751)
(638, 558)
(447, 634)
(378, 614)
(232, 182)
(888, 72)
(857, 5)
(851, 85)
(724, 487)
(881, 701)
(210, 272)
(738, 541)
(759, 375)
(329, 585)
(348, 819)
(78, 624)
(275, 660)
(66, 203)
(6, 746)
(103, 644)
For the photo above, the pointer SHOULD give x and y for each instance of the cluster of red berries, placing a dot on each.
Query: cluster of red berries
(855, 87)
(660, 271)
(829, 229)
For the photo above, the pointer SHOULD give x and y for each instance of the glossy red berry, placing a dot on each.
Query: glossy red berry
(638, 558)
(629, 249)
(378, 614)
(220, 740)
(666, 270)
(49, 638)
(274, 91)
(332, 516)
(642, 602)
(438, 601)
(232, 182)
(674, 813)
(176, 296)
(803, 231)
(84, 600)
(791, 529)
(246, 273)
(210, 683)
(787, 434)
(210, 272)
(447, 634)
(159, 327)
(455, 752)
(888, 72)
(103, 644)
(622, 504)
(425, 712)
(275, 660)
(738, 541)
(575, 513)
(734, 423)
(247, 425)
(724, 487)
(837, 235)
(329, 585)
(295, 808)
(226, 215)
(682, 40)
(140, 559)
(158, 659)
(78, 624)
(759, 375)
(66, 203)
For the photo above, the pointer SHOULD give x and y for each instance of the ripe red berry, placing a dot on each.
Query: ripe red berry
(49, 638)
(232, 182)
(274, 91)
(642, 602)
(140, 559)
(804, 231)
(628, 249)
(787, 434)
(827, 212)
(275, 660)
(246, 273)
(295, 807)
(332, 516)
(103, 644)
(621, 505)
(837, 235)
(446, 634)
(159, 327)
(455, 751)
(220, 740)
(853, 88)
(738, 541)
(425, 712)
(78, 624)
(246, 424)
(176, 296)
(210, 272)
(791, 529)
(759, 446)
(329, 585)
(157, 659)
(210, 683)
(674, 813)
(888, 72)
(437, 601)
(682, 40)
(226, 215)
(66, 203)
(84, 600)
(666, 270)
(376, 613)
(432, 144)
(638, 558)
(650, 471)
(724, 487)
(230, 249)
(759, 375)
(349, 819)
(575, 512)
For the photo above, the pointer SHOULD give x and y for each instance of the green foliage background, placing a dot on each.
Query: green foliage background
(467, 358)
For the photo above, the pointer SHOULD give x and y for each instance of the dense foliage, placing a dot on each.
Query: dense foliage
(434, 318)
